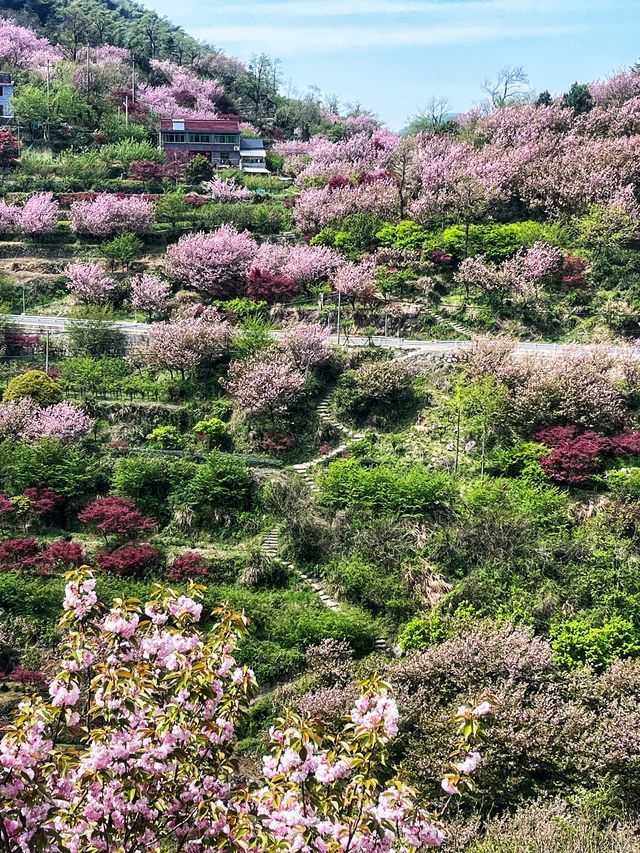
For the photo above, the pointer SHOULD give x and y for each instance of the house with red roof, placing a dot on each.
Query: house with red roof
(218, 139)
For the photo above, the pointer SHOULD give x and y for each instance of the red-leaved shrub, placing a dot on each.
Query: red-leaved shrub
(63, 555)
(16, 554)
(43, 501)
(270, 287)
(116, 516)
(129, 560)
(186, 567)
(576, 457)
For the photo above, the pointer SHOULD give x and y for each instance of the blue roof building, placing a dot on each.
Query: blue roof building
(6, 93)
(253, 157)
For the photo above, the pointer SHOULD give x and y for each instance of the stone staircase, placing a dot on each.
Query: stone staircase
(270, 545)
(453, 324)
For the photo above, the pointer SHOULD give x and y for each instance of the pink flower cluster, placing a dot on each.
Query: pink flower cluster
(146, 707)
(375, 709)
(108, 214)
(38, 215)
(224, 190)
(89, 283)
(25, 420)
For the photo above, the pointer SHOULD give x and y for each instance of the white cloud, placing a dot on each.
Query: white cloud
(298, 40)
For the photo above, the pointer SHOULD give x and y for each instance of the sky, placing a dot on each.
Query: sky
(391, 56)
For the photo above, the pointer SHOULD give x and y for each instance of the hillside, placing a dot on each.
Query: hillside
(333, 458)
(150, 41)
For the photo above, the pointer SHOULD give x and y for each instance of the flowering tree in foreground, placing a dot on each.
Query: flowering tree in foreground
(135, 751)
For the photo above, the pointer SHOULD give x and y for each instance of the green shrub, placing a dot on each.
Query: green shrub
(259, 218)
(213, 429)
(165, 438)
(122, 249)
(625, 483)
(70, 471)
(222, 484)
(495, 241)
(512, 461)
(150, 481)
(415, 493)
(366, 585)
(270, 661)
(577, 642)
(198, 169)
(404, 235)
(35, 384)
(377, 392)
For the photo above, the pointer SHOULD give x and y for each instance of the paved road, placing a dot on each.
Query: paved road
(36, 323)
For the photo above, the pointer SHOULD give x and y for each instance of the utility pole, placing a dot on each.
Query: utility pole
(133, 81)
(87, 67)
(338, 324)
(126, 110)
(458, 439)
(46, 352)
(47, 127)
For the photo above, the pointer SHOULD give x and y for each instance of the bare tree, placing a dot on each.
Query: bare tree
(434, 118)
(402, 165)
(510, 86)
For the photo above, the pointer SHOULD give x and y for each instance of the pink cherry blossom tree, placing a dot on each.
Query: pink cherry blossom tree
(89, 283)
(355, 282)
(39, 214)
(137, 742)
(265, 386)
(185, 95)
(215, 263)
(225, 190)
(184, 343)
(150, 293)
(301, 263)
(66, 422)
(306, 345)
(108, 214)
(25, 420)
(21, 47)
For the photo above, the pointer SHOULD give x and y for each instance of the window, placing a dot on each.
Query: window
(174, 137)
(1, 109)
(199, 137)
(226, 139)
(2, 92)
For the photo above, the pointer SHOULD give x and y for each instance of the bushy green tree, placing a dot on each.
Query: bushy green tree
(35, 384)
(122, 250)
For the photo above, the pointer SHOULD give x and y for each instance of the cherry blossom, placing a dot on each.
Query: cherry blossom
(89, 283)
